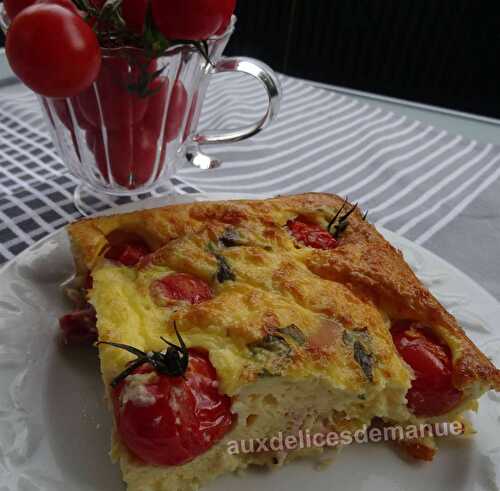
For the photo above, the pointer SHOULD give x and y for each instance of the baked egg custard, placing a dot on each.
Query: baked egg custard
(236, 321)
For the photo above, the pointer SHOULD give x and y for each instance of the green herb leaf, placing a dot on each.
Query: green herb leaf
(224, 271)
(264, 373)
(272, 342)
(364, 360)
(231, 238)
(294, 332)
(172, 362)
(339, 223)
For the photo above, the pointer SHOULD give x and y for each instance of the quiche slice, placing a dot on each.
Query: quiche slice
(224, 324)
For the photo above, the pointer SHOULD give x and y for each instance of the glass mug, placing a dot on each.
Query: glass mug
(129, 131)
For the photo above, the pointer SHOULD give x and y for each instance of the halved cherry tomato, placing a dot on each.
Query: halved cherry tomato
(120, 107)
(129, 254)
(53, 51)
(310, 234)
(134, 14)
(432, 392)
(175, 419)
(182, 286)
(79, 327)
(191, 19)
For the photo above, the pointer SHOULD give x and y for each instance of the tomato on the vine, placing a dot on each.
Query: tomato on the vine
(53, 51)
(67, 4)
(169, 420)
(134, 14)
(191, 19)
(118, 107)
(176, 111)
(432, 392)
(116, 151)
(146, 143)
(13, 7)
(190, 119)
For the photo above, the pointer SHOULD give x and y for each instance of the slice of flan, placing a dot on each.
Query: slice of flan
(223, 325)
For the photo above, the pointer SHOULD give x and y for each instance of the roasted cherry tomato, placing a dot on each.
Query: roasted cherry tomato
(79, 327)
(134, 14)
(53, 51)
(171, 420)
(129, 254)
(311, 235)
(13, 7)
(182, 286)
(432, 392)
(191, 19)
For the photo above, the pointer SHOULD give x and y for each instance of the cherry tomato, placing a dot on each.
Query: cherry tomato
(134, 14)
(157, 101)
(190, 119)
(310, 234)
(191, 19)
(118, 155)
(79, 327)
(13, 7)
(120, 107)
(67, 4)
(146, 144)
(176, 108)
(182, 286)
(62, 109)
(129, 254)
(53, 51)
(176, 111)
(177, 418)
(432, 392)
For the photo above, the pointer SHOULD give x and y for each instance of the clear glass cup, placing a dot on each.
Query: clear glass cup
(128, 133)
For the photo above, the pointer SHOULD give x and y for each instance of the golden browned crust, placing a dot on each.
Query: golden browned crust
(364, 262)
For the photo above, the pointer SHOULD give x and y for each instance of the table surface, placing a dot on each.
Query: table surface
(466, 233)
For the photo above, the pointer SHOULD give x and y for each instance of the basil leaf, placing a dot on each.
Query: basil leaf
(294, 332)
(274, 343)
(364, 360)
(231, 238)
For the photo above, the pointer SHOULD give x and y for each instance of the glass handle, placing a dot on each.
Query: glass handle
(268, 78)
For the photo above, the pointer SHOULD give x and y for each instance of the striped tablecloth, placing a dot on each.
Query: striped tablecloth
(415, 179)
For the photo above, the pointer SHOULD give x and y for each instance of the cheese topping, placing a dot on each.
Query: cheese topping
(136, 391)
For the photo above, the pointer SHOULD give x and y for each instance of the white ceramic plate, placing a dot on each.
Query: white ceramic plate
(54, 429)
